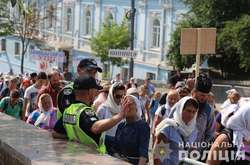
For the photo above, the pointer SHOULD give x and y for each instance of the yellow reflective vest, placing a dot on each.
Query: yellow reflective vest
(71, 119)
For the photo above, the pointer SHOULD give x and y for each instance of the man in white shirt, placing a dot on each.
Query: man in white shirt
(30, 95)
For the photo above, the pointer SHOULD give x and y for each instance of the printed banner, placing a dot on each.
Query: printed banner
(50, 56)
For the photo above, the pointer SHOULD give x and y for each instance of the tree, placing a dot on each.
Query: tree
(26, 22)
(231, 18)
(5, 25)
(112, 36)
(174, 56)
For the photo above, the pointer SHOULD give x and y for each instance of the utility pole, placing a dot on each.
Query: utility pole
(132, 19)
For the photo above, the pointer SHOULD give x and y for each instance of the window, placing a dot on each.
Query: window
(88, 23)
(50, 21)
(124, 73)
(50, 13)
(17, 48)
(151, 76)
(3, 45)
(106, 68)
(110, 18)
(156, 34)
(69, 22)
(32, 47)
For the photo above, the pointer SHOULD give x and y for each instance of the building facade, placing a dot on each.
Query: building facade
(78, 20)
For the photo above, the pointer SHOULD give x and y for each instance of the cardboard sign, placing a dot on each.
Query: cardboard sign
(190, 37)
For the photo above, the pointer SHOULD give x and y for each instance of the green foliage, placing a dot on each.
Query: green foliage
(112, 36)
(174, 56)
(235, 38)
(5, 26)
(231, 18)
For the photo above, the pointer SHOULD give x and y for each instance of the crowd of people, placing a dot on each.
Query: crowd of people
(123, 118)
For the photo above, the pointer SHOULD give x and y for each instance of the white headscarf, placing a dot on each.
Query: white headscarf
(240, 124)
(44, 117)
(138, 105)
(177, 122)
(232, 108)
(110, 102)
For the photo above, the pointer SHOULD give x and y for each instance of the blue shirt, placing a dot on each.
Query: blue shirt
(132, 140)
(33, 117)
(154, 106)
(176, 144)
(151, 89)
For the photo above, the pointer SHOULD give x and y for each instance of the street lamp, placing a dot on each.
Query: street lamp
(132, 19)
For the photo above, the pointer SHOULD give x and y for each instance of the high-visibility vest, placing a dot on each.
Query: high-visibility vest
(71, 119)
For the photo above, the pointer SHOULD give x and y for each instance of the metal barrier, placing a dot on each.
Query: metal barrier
(219, 91)
(190, 161)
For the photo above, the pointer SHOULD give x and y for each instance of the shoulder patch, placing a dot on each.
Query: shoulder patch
(89, 112)
(67, 91)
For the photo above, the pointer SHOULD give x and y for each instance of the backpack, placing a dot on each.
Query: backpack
(163, 110)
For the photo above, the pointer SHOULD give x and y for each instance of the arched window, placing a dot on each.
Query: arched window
(110, 18)
(50, 12)
(88, 23)
(69, 20)
(156, 29)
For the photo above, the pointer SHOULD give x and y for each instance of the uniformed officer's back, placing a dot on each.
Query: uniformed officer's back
(79, 122)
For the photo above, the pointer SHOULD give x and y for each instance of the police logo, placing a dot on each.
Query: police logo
(90, 113)
(67, 91)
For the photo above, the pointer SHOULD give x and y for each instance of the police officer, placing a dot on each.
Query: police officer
(87, 66)
(79, 122)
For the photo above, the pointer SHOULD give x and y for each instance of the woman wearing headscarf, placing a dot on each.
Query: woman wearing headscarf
(235, 139)
(112, 106)
(102, 96)
(132, 136)
(163, 111)
(145, 102)
(176, 134)
(230, 106)
(47, 118)
(233, 97)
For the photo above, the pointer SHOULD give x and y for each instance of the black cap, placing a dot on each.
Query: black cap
(203, 84)
(86, 82)
(89, 63)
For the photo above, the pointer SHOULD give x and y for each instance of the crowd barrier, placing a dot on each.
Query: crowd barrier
(190, 162)
(24, 144)
(219, 91)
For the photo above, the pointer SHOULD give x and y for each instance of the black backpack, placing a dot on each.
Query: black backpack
(163, 110)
